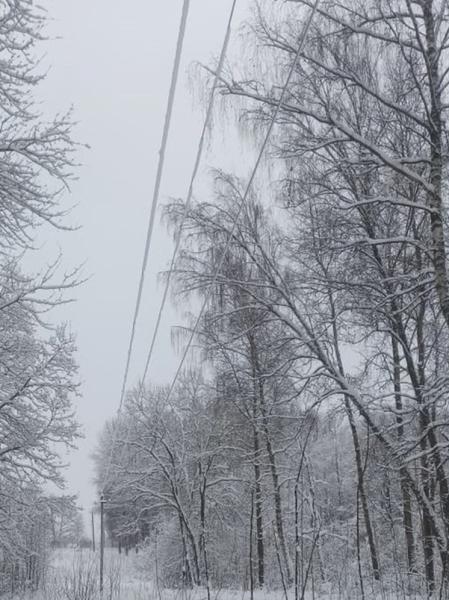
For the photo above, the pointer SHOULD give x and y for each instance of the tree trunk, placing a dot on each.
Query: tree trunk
(362, 493)
(405, 489)
(436, 164)
(427, 529)
(259, 389)
(258, 511)
(251, 558)
(203, 543)
(257, 484)
(196, 565)
(187, 579)
(357, 450)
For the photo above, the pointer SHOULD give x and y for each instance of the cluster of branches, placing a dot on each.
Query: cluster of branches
(37, 367)
(324, 420)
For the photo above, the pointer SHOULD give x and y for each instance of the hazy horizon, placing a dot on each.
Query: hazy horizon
(113, 67)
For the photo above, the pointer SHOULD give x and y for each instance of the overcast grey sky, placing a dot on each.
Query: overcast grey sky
(112, 62)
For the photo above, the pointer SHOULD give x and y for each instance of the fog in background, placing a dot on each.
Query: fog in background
(112, 61)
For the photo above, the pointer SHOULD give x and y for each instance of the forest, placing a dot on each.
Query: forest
(304, 447)
(301, 450)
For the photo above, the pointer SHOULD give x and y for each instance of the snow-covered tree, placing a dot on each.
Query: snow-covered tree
(38, 372)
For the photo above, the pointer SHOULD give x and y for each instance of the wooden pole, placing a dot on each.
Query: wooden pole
(93, 531)
(102, 501)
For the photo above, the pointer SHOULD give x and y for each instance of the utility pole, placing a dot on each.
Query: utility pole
(102, 501)
(93, 531)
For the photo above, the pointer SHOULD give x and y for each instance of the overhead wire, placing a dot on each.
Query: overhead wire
(197, 163)
(206, 125)
(152, 216)
(301, 41)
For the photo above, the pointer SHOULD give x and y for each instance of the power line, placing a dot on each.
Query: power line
(196, 166)
(187, 203)
(279, 104)
(155, 200)
(237, 216)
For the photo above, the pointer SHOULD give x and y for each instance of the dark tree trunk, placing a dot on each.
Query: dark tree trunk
(257, 482)
(362, 492)
(187, 578)
(258, 511)
(436, 163)
(251, 558)
(203, 542)
(259, 389)
(407, 519)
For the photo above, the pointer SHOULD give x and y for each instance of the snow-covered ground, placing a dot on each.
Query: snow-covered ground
(74, 576)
